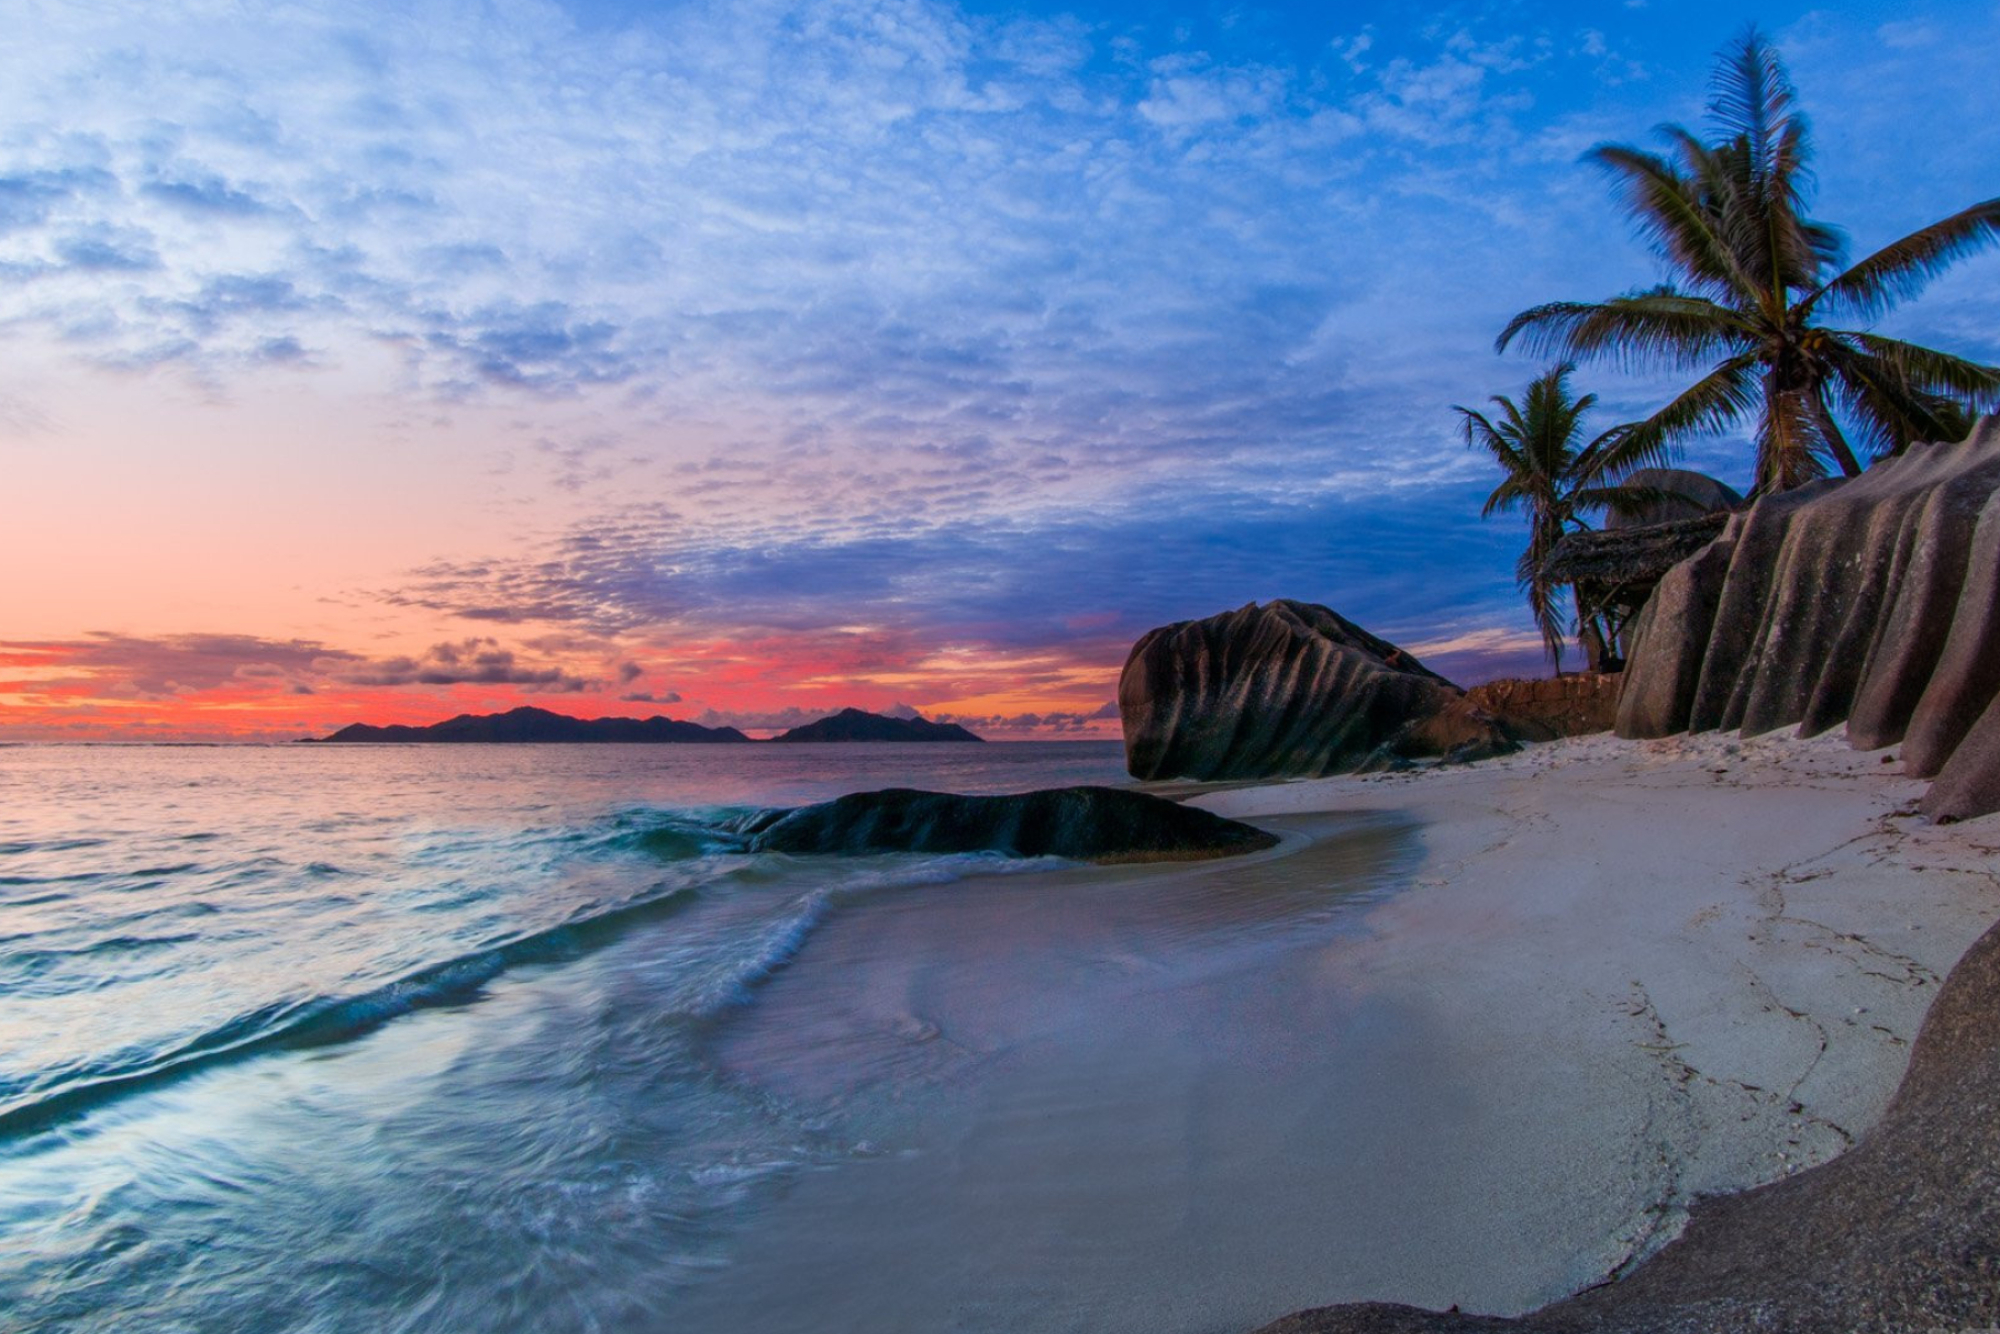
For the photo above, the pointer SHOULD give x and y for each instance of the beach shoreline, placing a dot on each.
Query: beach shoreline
(1615, 977)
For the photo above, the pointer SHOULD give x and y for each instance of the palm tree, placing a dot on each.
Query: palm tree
(1549, 475)
(1752, 277)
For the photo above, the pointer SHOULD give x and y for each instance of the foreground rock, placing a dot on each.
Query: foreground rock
(1289, 689)
(1874, 602)
(1080, 823)
(1900, 1233)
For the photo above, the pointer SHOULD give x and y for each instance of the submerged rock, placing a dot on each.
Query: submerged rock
(1902, 1232)
(1873, 602)
(1289, 689)
(1080, 823)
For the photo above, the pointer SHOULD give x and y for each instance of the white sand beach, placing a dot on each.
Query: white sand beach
(1582, 986)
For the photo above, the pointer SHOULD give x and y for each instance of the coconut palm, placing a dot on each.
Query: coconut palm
(1550, 474)
(1753, 276)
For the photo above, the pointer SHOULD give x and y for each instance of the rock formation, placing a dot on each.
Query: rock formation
(1902, 1232)
(1676, 494)
(1874, 602)
(1549, 707)
(1081, 823)
(1288, 689)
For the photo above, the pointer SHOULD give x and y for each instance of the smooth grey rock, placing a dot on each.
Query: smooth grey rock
(1873, 602)
(1081, 823)
(1288, 689)
(1683, 495)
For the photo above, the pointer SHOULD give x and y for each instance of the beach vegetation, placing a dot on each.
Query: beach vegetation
(1553, 476)
(1754, 281)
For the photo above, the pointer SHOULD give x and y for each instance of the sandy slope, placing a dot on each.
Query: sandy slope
(1750, 930)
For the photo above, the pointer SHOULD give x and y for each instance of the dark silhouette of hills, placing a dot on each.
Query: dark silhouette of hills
(857, 725)
(531, 724)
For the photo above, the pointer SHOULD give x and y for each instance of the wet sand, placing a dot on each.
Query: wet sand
(1477, 1038)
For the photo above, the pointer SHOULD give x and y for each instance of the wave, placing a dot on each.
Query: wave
(293, 1025)
(325, 1020)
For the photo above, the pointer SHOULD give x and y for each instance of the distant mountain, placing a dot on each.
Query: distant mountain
(527, 724)
(856, 725)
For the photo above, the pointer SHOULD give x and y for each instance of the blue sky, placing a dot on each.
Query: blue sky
(883, 336)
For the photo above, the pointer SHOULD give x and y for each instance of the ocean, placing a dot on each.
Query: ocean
(468, 1038)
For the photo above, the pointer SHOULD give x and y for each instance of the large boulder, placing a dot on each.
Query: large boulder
(1289, 689)
(1082, 823)
(1675, 494)
(1873, 602)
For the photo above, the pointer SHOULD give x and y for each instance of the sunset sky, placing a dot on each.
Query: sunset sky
(743, 361)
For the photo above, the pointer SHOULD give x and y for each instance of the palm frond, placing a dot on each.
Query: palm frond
(1751, 97)
(1933, 371)
(1655, 327)
(1667, 208)
(1891, 412)
(1718, 400)
(1901, 269)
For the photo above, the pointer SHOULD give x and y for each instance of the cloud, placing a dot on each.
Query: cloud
(644, 697)
(873, 338)
(763, 720)
(1054, 723)
(476, 661)
(168, 667)
(1399, 564)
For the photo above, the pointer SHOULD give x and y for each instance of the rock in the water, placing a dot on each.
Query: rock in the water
(1902, 1232)
(1288, 689)
(1874, 602)
(1080, 823)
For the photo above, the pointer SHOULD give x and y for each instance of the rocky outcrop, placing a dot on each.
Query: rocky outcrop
(1288, 689)
(1551, 707)
(1874, 602)
(1081, 823)
(1900, 1233)
(1672, 495)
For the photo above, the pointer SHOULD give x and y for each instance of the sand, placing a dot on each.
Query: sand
(1477, 1038)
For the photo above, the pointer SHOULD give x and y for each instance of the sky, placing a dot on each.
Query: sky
(741, 362)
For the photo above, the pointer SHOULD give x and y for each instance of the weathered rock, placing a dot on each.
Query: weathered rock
(1082, 823)
(1678, 494)
(1288, 689)
(1900, 1233)
(1551, 707)
(1874, 602)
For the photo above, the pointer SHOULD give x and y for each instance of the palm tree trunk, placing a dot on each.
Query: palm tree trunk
(1829, 430)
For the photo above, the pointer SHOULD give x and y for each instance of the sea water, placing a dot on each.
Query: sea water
(316, 1038)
